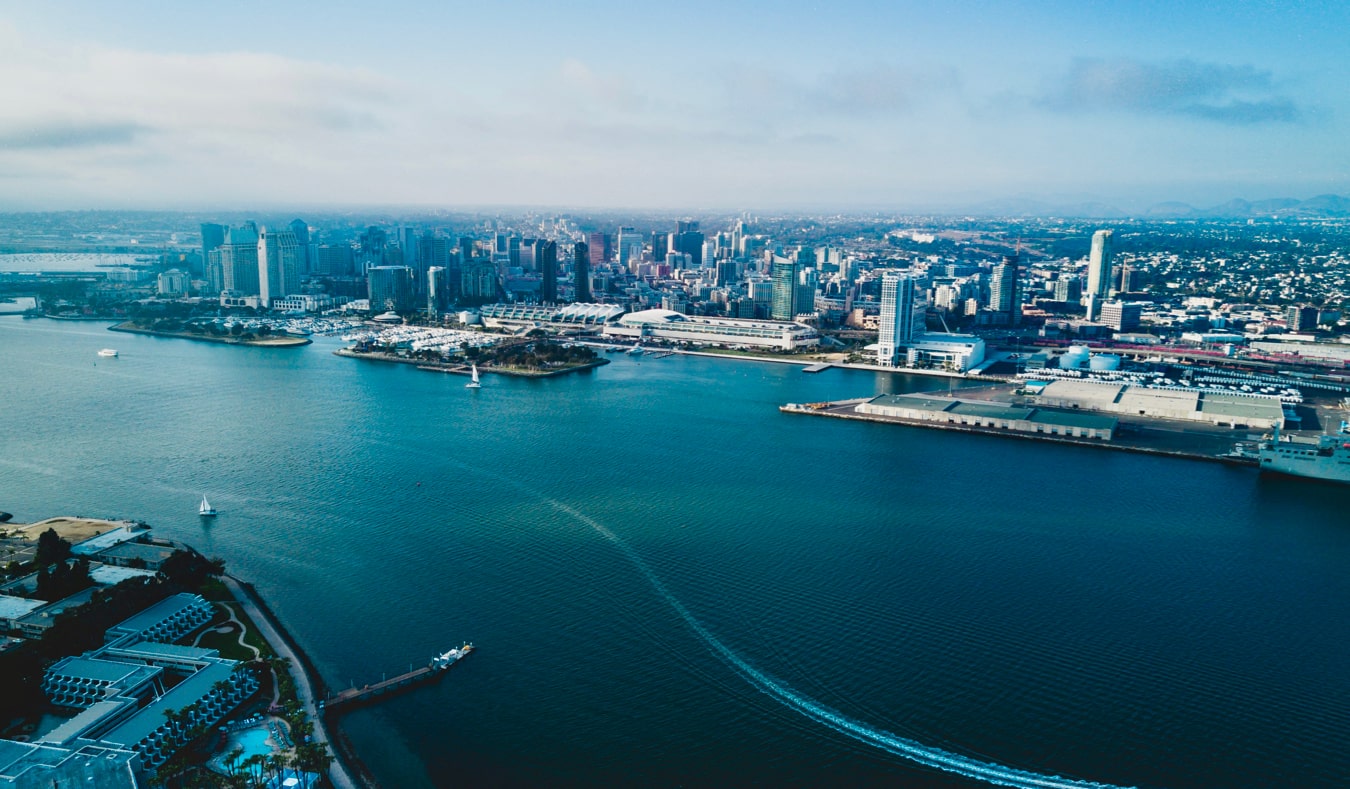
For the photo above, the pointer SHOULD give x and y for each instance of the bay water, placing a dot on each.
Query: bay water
(672, 583)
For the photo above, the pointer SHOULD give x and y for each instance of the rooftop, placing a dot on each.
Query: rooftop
(153, 615)
(108, 575)
(17, 607)
(93, 668)
(151, 716)
(107, 540)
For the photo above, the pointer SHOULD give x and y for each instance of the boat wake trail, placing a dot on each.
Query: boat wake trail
(926, 755)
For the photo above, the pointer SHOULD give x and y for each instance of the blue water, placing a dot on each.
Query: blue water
(253, 741)
(670, 582)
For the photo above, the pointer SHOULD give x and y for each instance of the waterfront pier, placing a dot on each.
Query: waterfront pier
(433, 670)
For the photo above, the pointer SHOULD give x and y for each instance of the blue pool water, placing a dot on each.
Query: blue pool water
(253, 741)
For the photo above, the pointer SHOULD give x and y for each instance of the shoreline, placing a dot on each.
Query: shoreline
(749, 357)
(347, 771)
(281, 341)
(463, 369)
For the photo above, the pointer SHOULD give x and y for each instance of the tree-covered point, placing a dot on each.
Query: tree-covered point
(544, 355)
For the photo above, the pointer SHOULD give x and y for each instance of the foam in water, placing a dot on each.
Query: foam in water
(926, 755)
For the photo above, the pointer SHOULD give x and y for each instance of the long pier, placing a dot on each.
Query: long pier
(434, 670)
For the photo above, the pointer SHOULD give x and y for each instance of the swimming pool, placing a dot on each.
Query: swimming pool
(253, 740)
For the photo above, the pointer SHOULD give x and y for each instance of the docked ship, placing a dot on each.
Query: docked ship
(445, 660)
(1324, 457)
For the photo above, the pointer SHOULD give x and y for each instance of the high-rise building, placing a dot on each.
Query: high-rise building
(525, 255)
(278, 265)
(438, 291)
(390, 288)
(301, 231)
(478, 281)
(1005, 297)
(783, 275)
(630, 247)
(239, 260)
(581, 271)
(213, 236)
(370, 249)
(1068, 289)
(688, 240)
(598, 244)
(333, 260)
(726, 272)
(896, 327)
(1301, 318)
(1122, 316)
(804, 299)
(546, 258)
(1099, 271)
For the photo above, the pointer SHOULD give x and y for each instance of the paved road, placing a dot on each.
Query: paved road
(337, 772)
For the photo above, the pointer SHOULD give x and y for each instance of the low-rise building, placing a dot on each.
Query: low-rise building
(981, 413)
(705, 330)
(140, 698)
(1233, 409)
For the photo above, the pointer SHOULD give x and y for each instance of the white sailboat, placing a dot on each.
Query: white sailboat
(474, 384)
(206, 510)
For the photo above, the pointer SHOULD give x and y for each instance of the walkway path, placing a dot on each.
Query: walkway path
(239, 629)
(304, 689)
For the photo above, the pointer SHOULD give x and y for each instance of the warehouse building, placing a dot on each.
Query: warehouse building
(980, 413)
(1228, 409)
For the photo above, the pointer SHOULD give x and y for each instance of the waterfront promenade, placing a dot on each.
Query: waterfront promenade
(304, 684)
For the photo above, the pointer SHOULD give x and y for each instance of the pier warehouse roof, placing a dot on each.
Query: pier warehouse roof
(978, 413)
(1217, 408)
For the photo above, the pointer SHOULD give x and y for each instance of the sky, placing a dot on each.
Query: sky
(836, 105)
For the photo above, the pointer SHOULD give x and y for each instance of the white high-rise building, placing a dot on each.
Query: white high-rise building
(897, 317)
(278, 265)
(1099, 272)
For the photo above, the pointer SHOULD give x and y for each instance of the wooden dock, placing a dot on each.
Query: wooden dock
(354, 696)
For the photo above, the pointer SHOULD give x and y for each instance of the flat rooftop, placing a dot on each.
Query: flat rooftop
(151, 716)
(153, 615)
(103, 670)
(18, 607)
(993, 409)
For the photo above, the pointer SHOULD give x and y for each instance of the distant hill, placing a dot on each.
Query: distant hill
(1320, 207)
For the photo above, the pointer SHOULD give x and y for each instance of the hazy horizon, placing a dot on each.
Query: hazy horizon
(903, 107)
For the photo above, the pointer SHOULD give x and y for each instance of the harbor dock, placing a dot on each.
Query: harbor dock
(1146, 436)
(433, 670)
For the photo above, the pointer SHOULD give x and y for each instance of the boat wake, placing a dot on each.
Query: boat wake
(917, 752)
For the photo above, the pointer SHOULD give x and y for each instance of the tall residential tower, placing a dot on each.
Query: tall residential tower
(1099, 272)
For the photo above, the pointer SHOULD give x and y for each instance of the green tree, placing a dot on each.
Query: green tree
(51, 548)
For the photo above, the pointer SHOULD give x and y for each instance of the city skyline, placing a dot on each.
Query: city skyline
(704, 106)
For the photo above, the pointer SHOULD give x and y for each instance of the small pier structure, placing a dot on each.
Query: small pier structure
(433, 670)
(817, 367)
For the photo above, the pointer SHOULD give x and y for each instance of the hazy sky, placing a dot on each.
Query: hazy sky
(683, 105)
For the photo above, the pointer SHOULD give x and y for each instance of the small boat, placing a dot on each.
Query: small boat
(474, 384)
(206, 510)
(108, 352)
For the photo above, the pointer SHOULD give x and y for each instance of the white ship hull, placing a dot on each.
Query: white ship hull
(1327, 458)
